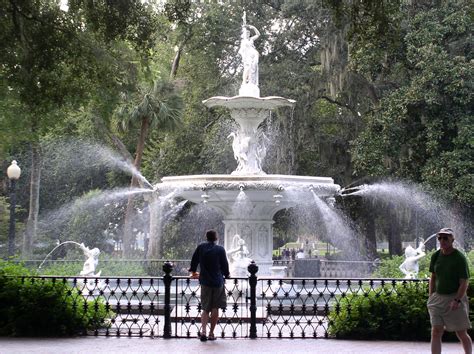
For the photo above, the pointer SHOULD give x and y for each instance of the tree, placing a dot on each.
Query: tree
(159, 107)
(421, 129)
(52, 60)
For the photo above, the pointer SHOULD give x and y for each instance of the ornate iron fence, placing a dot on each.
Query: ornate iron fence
(169, 306)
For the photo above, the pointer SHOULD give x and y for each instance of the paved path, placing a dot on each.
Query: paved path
(115, 345)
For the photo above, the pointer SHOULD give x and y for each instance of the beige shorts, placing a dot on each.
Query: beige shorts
(213, 298)
(442, 315)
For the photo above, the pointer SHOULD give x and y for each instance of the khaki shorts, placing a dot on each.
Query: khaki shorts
(441, 315)
(213, 298)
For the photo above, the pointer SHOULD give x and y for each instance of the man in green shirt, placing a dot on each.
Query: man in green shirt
(448, 305)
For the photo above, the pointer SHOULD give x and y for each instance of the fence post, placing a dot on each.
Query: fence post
(253, 269)
(167, 278)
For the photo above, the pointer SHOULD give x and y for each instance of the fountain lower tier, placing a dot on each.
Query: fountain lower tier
(248, 204)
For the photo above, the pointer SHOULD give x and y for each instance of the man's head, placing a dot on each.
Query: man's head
(445, 237)
(211, 235)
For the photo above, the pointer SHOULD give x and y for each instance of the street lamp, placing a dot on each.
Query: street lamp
(13, 173)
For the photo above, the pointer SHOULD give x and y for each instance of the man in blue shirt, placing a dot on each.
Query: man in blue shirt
(214, 267)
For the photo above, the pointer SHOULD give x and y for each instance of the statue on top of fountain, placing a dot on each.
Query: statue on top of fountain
(410, 266)
(250, 57)
(239, 259)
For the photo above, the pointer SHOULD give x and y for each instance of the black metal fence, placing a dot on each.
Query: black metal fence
(169, 306)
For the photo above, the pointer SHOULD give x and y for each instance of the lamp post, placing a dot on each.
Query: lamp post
(13, 173)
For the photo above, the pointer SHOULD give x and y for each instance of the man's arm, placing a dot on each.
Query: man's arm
(194, 261)
(224, 265)
(463, 285)
(432, 286)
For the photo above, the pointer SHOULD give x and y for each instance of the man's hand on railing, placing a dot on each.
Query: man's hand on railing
(194, 275)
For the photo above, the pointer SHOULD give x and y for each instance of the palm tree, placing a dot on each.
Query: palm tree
(159, 107)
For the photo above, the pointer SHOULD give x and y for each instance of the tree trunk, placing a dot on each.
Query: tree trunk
(128, 237)
(155, 243)
(394, 237)
(32, 223)
(175, 65)
(371, 239)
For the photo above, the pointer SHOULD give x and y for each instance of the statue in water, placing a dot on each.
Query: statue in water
(88, 270)
(249, 54)
(239, 259)
(92, 255)
(410, 267)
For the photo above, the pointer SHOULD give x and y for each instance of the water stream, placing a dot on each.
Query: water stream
(55, 248)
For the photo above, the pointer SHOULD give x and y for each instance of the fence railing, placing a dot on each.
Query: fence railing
(346, 269)
(170, 306)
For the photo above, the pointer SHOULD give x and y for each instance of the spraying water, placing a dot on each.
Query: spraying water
(431, 209)
(86, 156)
(55, 248)
(338, 229)
(162, 210)
(242, 207)
(55, 222)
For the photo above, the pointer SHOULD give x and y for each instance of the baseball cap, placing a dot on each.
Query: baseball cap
(446, 231)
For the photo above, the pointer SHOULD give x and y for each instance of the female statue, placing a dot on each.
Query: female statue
(249, 54)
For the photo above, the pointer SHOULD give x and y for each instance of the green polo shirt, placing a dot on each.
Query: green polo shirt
(449, 269)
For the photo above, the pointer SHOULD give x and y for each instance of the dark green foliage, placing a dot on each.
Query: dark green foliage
(388, 313)
(107, 266)
(384, 313)
(421, 128)
(44, 307)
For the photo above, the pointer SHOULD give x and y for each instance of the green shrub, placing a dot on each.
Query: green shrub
(61, 268)
(44, 307)
(107, 266)
(122, 269)
(384, 313)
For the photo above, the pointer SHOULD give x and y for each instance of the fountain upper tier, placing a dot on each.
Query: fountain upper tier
(249, 112)
(248, 102)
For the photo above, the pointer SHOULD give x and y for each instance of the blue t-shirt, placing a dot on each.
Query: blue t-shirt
(213, 262)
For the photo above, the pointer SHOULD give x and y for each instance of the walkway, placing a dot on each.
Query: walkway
(88, 345)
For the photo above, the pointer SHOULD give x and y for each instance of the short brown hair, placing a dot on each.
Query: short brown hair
(211, 235)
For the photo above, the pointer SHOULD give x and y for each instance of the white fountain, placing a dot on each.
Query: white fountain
(248, 198)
